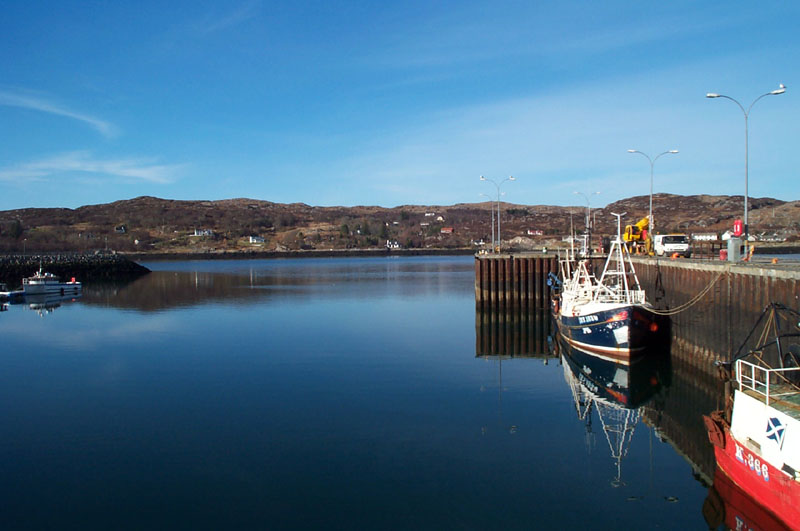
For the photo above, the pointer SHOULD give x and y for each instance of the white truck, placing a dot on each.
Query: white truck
(669, 244)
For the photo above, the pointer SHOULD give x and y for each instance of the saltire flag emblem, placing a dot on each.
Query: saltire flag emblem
(775, 431)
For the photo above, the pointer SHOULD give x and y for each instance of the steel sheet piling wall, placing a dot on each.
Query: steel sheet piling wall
(716, 325)
(513, 281)
(712, 329)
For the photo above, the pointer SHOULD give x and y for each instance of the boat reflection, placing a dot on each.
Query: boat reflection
(615, 391)
(45, 304)
(726, 503)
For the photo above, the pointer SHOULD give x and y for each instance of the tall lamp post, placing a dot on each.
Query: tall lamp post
(497, 186)
(650, 221)
(780, 90)
(491, 209)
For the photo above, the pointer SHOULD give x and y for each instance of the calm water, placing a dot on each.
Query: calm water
(341, 393)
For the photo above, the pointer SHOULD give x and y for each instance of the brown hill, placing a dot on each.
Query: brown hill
(150, 224)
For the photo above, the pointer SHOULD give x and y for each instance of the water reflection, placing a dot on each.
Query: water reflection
(359, 397)
(727, 504)
(45, 304)
(668, 391)
(187, 284)
(615, 392)
(514, 333)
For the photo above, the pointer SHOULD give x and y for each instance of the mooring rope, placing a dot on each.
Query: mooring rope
(694, 300)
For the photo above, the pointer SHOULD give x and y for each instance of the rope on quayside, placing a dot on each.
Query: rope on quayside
(694, 300)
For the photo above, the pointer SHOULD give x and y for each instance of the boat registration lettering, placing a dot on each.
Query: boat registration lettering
(754, 463)
(583, 319)
(590, 385)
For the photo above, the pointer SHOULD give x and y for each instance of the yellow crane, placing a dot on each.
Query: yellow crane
(637, 237)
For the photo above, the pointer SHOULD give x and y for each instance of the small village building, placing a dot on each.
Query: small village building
(705, 237)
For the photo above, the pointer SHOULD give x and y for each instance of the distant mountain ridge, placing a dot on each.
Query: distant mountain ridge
(151, 224)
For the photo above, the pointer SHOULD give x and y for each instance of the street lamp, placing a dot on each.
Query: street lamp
(651, 221)
(497, 186)
(780, 90)
(491, 209)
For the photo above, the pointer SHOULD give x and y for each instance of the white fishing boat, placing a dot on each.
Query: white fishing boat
(43, 283)
(608, 317)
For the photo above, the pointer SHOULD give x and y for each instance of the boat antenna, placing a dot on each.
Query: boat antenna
(571, 237)
(619, 224)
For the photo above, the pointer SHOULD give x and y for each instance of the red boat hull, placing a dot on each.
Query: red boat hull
(770, 487)
(727, 503)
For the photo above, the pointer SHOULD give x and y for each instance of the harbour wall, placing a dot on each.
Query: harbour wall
(716, 303)
(84, 267)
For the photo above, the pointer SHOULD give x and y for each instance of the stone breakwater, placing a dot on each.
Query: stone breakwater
(84, 267)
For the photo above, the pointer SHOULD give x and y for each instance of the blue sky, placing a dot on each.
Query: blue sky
(392, 103)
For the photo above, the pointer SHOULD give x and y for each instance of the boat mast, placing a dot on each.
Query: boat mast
(620, 256)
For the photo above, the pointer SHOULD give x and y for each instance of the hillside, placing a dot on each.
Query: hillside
(150, 224)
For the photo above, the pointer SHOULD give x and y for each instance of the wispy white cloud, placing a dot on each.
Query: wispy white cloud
(244, 12)
(83, 162)
(556, 142)
(460, 37)
(27, 101)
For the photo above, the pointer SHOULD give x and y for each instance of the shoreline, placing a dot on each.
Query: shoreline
(349, 253)
(330, 253)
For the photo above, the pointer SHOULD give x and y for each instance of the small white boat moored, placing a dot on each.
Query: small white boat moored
(43, 283)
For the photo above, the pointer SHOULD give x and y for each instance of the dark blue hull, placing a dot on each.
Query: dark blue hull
(629, 385)
(618, 334)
